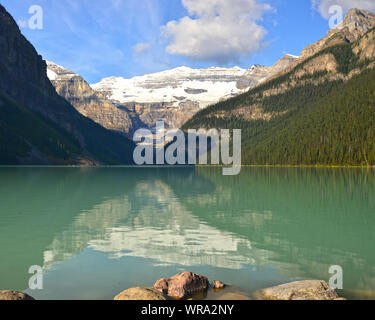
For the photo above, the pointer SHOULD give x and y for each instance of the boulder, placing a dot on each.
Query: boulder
(141, 294)
(182, 285)
(299, 290)
(217, 285)
(14, 295)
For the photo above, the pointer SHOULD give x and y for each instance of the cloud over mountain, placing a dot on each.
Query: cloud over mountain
(322, 6)
(217, 30)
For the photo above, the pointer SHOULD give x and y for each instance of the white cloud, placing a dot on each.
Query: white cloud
(322, 6)
(141, 47)
(222, 31)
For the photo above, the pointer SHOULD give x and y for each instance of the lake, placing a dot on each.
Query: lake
(99, 231)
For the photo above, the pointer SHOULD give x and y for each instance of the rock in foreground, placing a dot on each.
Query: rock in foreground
(299, 290)
(182, 285)
(141, 294)
(14, 295)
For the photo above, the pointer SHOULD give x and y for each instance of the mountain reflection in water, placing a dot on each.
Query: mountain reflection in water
(98, 231)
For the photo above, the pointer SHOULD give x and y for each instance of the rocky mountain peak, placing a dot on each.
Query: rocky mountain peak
(56, 72)
(257, 74)
(356, 23)
(362, 17)
(86, 101)
(253, 67)
(283, 62)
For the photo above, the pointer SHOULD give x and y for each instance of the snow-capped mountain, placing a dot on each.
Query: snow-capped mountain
(173, 96)
(205, 86)
(178, 86)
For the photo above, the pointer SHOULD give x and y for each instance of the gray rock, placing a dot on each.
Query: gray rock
(299, 290)
(14, 295)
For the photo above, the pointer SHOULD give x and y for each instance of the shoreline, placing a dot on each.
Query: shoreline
(191, 166)
(188, 286)
(290, 166)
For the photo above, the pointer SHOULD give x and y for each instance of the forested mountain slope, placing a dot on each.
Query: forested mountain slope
(319, 112)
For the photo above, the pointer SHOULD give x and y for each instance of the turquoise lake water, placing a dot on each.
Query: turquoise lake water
(99, 231)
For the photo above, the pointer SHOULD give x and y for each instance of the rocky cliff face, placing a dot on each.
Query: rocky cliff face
(145, 115)
(26, 91)
(89, 103)
(365, 48)
(258, 74)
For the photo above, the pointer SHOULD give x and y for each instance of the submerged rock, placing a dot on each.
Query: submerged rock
(229, 292)
(233, 296)
(182, 285)
(142, 294)
(217, 285)
(299, 290)
(14, 295)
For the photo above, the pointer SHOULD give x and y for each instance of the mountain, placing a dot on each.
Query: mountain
(89, 103)
(173, 95)
(319, 111)
(258, 74)
(205, 86)
(176, 95)
(37, 126)
(355, 24)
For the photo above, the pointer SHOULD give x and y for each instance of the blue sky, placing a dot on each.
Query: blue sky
(98, 39)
